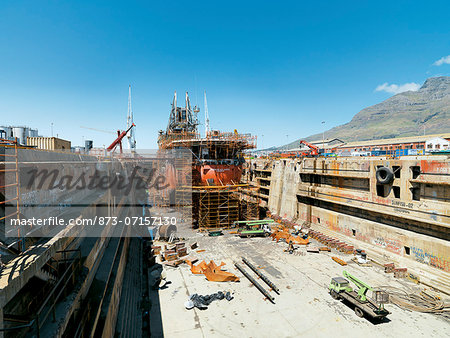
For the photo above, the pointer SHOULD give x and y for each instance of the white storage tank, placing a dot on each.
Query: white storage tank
(33, 133)
(21, 134)
(6, 132)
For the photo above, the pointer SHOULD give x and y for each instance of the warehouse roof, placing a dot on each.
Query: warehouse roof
(410, 139)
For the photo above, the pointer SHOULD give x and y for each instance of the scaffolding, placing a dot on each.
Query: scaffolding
(249, 203)
(212, 202)
(171, 139)
(9, 187)
(183, 190)
(216, 207)
(189, 139)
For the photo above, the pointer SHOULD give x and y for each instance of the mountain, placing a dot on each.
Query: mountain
(401, 115)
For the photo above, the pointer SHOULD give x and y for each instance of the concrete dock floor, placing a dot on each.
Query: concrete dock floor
(303, 308)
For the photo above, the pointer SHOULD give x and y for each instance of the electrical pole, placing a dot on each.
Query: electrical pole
(323, 138)
(207, 128)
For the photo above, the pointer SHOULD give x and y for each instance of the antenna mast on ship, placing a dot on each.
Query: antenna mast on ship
(130, 136)
(183, 120)
(207, 128)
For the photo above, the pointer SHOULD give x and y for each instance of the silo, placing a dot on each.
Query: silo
(7, 132)
(88, 145)
(20, 133)
(3, 133)
(33, 133)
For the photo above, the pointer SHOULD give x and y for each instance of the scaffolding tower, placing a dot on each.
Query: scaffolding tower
(217, 207)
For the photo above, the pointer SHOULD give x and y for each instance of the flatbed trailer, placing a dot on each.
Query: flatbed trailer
(339, 288)
(368, 307)
(253, 233)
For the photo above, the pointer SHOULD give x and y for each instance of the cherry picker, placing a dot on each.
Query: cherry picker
(340, 289)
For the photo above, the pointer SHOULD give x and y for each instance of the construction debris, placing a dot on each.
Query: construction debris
(290, 248)
(212, 272)
(331, 242)
(215, 233)
(389, 267)
(156, 249)
(400, 272)
(158, 278)
(174, 263)
(357, 261)
(261, 275)
(283, 233)
(202, 302)
(423, 301)
(338, 260)
(255, 283)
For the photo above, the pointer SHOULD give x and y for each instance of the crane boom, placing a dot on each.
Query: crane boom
(118, 140)
(314, 149)
(100, 130)
(362, 287)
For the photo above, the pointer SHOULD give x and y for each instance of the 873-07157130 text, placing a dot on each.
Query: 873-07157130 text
(96, 220)
(136, 220)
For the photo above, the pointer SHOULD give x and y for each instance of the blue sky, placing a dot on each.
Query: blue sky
(269, 68)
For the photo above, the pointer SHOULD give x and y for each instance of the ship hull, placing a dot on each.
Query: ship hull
(219, 174)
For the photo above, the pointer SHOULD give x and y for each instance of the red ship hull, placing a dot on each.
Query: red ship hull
(219, 174)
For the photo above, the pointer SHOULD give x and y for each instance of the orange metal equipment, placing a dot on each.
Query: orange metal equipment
(314, 150)
(338, 260)
(284, 234)
(197, 269)
(213, 272)
(299, 240)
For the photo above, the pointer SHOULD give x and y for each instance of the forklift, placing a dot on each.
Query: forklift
(374, 308)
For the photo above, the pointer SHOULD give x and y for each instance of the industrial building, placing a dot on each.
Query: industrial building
(48, 143)
(392, 144)
(19, 132)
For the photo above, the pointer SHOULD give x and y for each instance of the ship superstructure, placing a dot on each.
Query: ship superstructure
(217, 163)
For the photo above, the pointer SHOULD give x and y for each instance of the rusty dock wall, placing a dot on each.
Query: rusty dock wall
(406, 220)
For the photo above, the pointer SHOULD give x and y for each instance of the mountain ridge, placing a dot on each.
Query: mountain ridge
(401, 115)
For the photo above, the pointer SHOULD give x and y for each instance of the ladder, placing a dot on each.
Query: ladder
(10, 178)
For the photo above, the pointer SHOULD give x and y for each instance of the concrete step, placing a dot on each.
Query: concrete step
(428, 275)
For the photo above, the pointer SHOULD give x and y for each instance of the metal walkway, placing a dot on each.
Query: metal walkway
(129, 320)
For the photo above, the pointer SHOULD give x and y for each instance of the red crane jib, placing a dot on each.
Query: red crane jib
(118, 140)
(314, 149)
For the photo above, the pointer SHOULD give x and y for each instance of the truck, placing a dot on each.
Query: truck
(258, 230)
(340, 289)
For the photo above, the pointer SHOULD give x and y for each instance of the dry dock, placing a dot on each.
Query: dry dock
(303, 308)
(71, 284)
